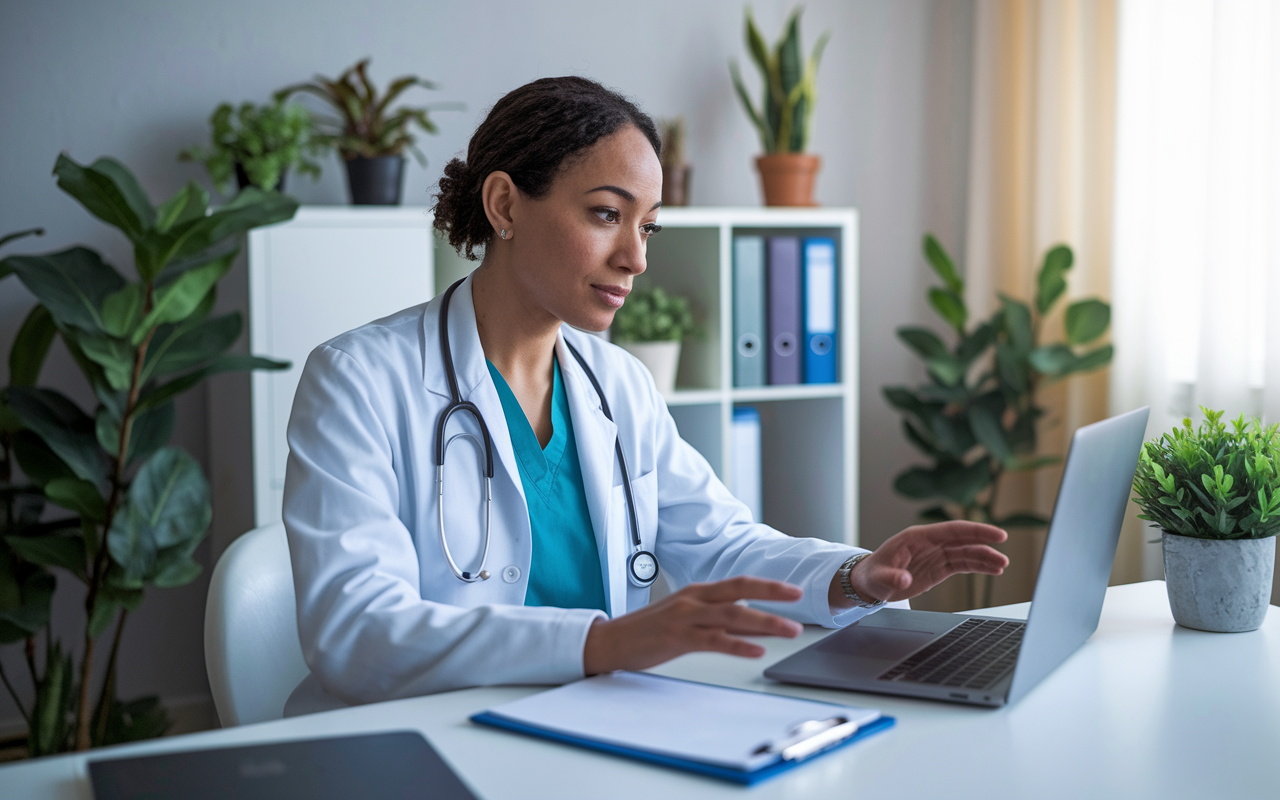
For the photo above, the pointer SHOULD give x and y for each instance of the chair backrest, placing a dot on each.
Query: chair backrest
(251, 648)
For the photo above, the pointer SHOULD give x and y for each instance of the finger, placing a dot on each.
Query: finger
(975, 558)
(743, 621)
(718, 641)
(962, 532)
(746, 588)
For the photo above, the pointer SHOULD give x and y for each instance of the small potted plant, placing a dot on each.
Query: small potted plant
(258, 145)
(675, 170)
(650, 326)
(1215, 493)
(370, 137)
(784, 118)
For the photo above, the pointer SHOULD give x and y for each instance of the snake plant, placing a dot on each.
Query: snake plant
(784, 117)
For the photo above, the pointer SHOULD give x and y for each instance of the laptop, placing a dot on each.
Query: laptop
(400, 764)
(990, 661)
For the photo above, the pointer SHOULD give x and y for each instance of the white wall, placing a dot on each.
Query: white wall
(137, 80)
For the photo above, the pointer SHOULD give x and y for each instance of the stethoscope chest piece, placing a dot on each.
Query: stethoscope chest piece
(642, 569)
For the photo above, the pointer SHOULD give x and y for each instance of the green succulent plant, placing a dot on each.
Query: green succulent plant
(785, 114)
(264, 141)
(1213, 482)
(653, 316)
(136, 507)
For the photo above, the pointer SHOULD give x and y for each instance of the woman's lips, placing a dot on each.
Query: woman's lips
(613, 295)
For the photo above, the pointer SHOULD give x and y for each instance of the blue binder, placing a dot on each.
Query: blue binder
(820, 327)
(784, 310)
(749, 358)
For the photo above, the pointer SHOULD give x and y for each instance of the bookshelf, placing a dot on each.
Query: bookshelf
(331, 269)
(809, 431)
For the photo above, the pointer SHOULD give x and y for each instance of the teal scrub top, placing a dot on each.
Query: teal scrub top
(565, 571)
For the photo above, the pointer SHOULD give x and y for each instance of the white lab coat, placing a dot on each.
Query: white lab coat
(380, 615)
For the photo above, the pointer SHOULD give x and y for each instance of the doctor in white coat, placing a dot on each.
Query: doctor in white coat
(561, 191)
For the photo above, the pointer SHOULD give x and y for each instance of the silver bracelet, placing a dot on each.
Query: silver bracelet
(845, 584)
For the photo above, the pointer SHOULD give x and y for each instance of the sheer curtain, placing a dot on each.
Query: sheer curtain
(1196, 259)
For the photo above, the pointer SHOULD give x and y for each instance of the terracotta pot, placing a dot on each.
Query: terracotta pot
(675, 186)
(788, 178)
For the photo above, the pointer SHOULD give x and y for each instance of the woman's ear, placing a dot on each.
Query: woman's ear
(499, 195)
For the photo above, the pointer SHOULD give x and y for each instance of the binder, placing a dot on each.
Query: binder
(820, 329)
(745, 448)
(732, 734)
(784, 310)
(748, 311)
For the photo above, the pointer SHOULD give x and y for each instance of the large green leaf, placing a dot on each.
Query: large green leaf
(952, 434)
(1052, 281)
(71, 283)
(67, 430)
(976, 343)
(1016, 318)
(31, 613)
(79, 496)
(38, 462)
(790, 56)
(109, 192)
(251, 208)
(232, 363)
(176, 301)
(116, 357)
(984, 420)
(924, 341)
(152, 430)
(947, 369)
(167, 505)
(175, 566)
(952, 480)
(942, 264)
(121, 310)
(196, 346)
(1011, 369)
(1086, 320)
(55, 701)
(950, 306)
(66, 552)
(31, 346)
(190, 203)
(1093, 359)
(1052, 359)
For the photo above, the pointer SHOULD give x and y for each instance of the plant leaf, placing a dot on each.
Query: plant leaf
(31, 613)
(1017, 325)
(950, 306)
(231, 363)
(176, 301)
(942, 264)
(1052, 281)
(196, 346)
(984, 420)
(77, 495)
(167, 505)
(924, 342)
(71, 283)
(120, 310)
(1086, 320)
(190, 203)
(31, 347)
(66, 552)
(60, 423)
(109, 192)
(1052, 359)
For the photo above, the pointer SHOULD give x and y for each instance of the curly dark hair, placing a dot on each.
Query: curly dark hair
(529, 134)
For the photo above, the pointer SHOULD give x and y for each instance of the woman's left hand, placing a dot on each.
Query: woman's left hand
(919, 558)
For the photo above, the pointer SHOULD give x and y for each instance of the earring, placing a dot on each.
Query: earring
(502, 234)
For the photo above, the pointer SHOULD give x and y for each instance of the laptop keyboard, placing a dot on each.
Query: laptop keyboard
(973, 655)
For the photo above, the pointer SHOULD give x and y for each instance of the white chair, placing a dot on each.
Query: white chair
(251, 648)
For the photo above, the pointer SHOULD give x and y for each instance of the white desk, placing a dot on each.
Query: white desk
(1144, 710)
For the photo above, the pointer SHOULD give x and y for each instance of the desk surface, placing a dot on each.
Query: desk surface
(1144, 709)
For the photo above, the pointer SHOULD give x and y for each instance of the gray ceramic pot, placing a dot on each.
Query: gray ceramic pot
(1221, 585)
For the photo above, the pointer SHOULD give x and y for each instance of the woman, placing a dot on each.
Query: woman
(398, 596)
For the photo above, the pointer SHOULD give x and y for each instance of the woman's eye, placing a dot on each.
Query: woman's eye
(650, 228)
(608, 214)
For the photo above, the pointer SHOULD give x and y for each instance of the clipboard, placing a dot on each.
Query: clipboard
(732, 734)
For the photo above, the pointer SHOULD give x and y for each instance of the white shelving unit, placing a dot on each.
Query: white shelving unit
(331, 269)
(809, 431)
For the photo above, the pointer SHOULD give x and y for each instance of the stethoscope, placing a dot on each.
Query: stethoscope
(642, 566)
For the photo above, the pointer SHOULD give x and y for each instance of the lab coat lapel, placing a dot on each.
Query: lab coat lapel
(596, 435)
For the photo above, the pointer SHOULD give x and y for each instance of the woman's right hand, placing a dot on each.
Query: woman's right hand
(701, 616)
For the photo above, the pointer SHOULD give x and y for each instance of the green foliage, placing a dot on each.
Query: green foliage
(135, 508)
(366, 126)
(784, 118)
(265, 141)
(1213, 482)
(653, 316)
(976, 417)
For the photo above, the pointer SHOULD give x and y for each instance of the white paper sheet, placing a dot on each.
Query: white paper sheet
(671, 717)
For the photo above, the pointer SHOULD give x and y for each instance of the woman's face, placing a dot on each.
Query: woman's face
(577, 249)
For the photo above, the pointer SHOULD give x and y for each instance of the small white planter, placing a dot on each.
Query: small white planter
(662, 359)
(1220, 585)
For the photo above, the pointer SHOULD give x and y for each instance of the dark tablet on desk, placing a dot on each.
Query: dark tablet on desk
(382, 765)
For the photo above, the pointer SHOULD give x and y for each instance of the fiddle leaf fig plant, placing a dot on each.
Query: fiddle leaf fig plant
(783, 118)
(1213, 482)
(135, 508)
(975, 418)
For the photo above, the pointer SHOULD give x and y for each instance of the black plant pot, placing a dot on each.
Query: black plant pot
(375, 181)
(242, 178)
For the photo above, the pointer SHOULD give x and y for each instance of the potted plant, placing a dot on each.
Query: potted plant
(675, 170)
(785, 115)
(136, 508)
(257, 145)
(650, 326)
(370, 137)
(1215, 493)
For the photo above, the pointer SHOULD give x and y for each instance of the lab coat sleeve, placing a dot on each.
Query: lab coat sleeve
(707, 534)
(366, 632)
